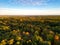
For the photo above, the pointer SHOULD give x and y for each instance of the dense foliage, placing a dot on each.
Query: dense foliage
(29, 30)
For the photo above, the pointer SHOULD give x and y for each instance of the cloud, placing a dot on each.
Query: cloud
(30, 2)
(7, 11)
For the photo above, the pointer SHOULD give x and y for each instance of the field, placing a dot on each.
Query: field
(29, 30)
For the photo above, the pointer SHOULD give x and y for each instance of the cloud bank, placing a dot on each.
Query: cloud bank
(6, 11)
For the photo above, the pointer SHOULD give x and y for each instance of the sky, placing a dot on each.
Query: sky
(29, 7)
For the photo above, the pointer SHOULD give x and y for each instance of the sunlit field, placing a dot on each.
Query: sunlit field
(29, 30)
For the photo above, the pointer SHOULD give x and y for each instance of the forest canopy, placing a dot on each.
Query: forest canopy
(29, 30)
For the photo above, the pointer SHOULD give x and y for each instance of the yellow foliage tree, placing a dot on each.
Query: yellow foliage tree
(11, 41)
(3, 42)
